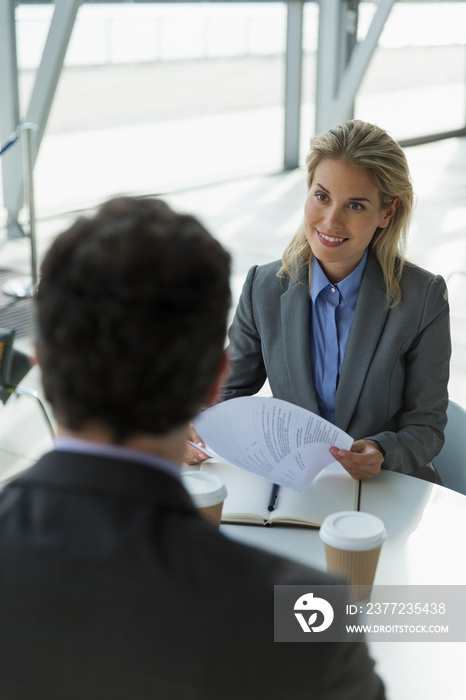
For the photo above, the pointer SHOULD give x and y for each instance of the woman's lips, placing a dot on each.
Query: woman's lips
(330, 241)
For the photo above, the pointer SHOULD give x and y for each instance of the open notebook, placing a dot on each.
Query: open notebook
(248, 498)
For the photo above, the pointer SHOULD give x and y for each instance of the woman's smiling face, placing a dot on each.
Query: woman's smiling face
(341, 214)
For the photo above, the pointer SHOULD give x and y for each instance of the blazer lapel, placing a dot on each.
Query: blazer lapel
(368, 323)
(294, 309)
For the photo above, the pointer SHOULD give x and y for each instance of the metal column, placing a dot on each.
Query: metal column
(341, 60)
(9, 111)
(293, 77)
(42, 96)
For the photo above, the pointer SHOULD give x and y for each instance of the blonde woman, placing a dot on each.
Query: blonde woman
(343, 325)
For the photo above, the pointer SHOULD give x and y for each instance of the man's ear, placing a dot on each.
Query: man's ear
(223, 371)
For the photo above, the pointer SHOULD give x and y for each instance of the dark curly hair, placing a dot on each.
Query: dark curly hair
(132, 308)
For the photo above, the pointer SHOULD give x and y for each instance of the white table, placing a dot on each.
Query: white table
(426, 532)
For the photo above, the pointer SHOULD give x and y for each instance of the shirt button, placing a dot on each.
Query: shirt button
(333, 289)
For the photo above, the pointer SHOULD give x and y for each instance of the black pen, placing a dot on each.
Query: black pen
(273, 497)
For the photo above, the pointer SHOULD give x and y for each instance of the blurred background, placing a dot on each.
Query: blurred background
(196, 90)
(211, 105)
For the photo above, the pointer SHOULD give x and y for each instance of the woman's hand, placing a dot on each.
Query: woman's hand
(195, 448)
(363, 461)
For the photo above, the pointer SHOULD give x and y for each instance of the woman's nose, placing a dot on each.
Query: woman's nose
(334, 218)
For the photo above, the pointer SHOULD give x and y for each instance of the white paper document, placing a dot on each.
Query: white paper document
(281, 442)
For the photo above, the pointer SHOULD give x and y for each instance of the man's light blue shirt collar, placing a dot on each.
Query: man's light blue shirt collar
(80, 446)
(348, 288)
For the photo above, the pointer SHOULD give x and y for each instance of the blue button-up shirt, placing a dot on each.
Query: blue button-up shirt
(331, 314)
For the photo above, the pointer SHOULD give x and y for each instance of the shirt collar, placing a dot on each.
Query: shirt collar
(348, 288)
(80, 446)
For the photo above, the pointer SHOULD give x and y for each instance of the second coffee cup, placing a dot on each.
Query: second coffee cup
(353, 541)
(208, 492)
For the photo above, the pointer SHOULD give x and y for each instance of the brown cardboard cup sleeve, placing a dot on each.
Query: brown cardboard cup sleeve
(353, 541)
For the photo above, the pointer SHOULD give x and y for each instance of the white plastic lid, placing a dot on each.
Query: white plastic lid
(353, 531)
(205, 489)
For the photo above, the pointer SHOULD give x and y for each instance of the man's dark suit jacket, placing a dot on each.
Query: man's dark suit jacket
(113, 587)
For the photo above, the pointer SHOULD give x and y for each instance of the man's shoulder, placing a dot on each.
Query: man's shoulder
(94, 483)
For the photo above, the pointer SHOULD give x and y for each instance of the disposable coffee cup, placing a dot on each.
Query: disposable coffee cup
(208, 492)
(353, 541)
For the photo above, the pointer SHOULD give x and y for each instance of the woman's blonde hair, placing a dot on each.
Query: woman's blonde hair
(371, 148)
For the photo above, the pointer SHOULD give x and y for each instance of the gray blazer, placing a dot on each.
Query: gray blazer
(393, 384)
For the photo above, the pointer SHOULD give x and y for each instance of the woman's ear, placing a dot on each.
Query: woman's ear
(389, 213)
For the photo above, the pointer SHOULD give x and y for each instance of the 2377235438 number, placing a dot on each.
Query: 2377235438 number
(405, 608)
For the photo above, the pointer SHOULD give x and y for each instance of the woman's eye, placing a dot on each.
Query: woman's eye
(321, 197)
(356, 206)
